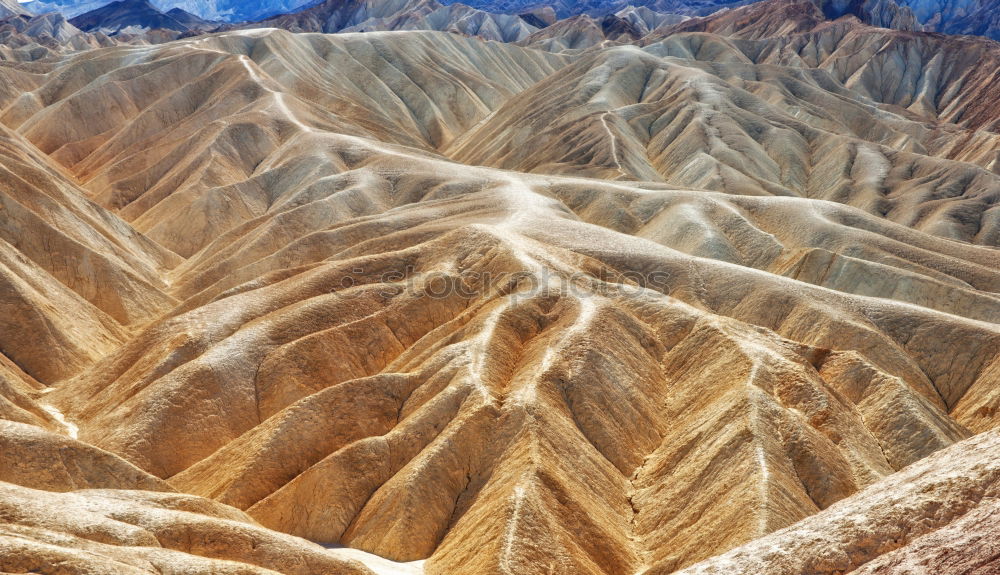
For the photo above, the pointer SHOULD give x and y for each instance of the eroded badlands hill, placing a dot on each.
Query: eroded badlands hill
(358, 289)
(902, 126)
(332, 16)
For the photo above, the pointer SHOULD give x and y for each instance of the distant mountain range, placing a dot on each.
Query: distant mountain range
(569, 8)
(227, 10)
(976, 17)
(333, 16)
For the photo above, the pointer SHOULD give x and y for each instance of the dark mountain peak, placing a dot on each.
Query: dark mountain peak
(132, 5)
(541, 17)
(123, 14)
(616, 28)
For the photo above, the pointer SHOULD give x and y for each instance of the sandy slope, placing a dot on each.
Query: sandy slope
(318, 315)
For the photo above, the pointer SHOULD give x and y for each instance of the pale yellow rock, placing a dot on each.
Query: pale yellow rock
(481, 308)
(33, 457)
(934, 515)
(120, 531)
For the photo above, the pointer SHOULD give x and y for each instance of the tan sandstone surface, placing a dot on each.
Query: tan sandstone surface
(713, 300)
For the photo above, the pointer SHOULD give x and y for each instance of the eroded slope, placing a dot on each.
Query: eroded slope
(372, 344)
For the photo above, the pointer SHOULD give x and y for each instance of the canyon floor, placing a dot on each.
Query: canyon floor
(723, 300)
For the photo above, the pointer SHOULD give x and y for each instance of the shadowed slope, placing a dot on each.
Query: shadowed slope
(127, 14)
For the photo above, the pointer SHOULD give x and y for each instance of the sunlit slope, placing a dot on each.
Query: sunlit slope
(348, 334)
(156, 131)
(791, 116)
(931, 518)
(74, 274)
